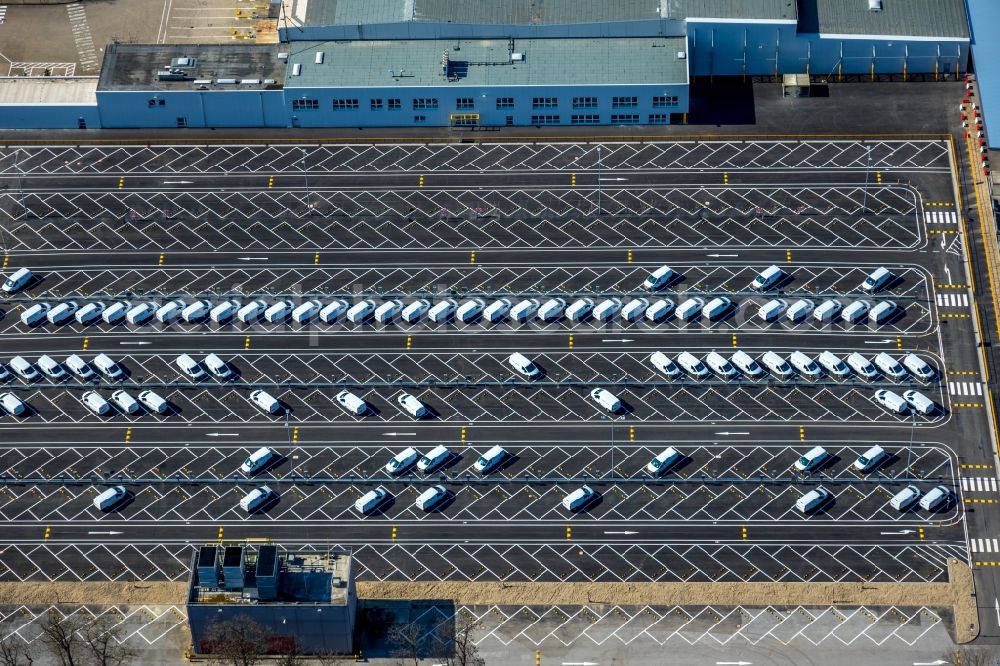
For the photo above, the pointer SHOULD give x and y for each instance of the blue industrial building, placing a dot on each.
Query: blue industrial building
(396, 63)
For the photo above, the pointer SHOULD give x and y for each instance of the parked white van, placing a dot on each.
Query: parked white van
(371, 500)
(170, 311)
(935, 498)
(414, 311)
(441, 311)
(490, 460)
(606, 399)
(855, 312)
(692, 365)
(304, 312)
(265, 401)
(352, 403)
(580, 309)
(108, 367)
(871, 459)
(402, 461)
(660, 278)
(833, 365)
(436, 457)
(920, 368)
(778, 366)
(359, 312)
(79, 367)
(141, 313)
(689, 309)
(224, 311)
(920, 402)
(89, 313)
(579, 498)
(664, 461)
(34, 314)
(633, 309)
(746, 364)
(812, 459)
(278, 312)
(115, 313)
(716, 307)
(904, 498)
(196, 311)
(772, 309)
(551, 309)
(879, 278)
(110, 498)
(153, 401)
(17, 280)
(251, 311)
(388, 311)
(332, 310)
(524, 310)
(258, 460)
(497, 310)
(882, 312)
(256, 498)
(662, 362)
(61, 312)
(606, 309)
(798, 310)
(51, 368)
(431, 497)
(190, 367)
(659, 310)
(827, 310)
(12, 404)
(805, 365)
(890, 366)
(412, 405)
(95, 403)
(24, 369)
(892, 401)
(125, 402)
(861, 365)
(767, 278)
(469, 310)
(720, 365)
(524, 365)
(219, 368)
(812, 500)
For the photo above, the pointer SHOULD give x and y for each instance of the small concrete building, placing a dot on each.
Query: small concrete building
(304, 601)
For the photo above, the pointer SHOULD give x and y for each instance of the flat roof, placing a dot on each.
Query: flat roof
(136, 66)
(538, 12)
(481, 62)
(897, 18)
(48, 90)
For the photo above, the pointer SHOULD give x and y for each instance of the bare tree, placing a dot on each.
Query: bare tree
(971, 656)
(105, 644)
(460, 648)
(237, 642)
(409, 643)
(13, 649)
(331, 659)
(62, 636)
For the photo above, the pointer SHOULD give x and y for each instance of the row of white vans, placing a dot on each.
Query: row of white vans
(469, 311)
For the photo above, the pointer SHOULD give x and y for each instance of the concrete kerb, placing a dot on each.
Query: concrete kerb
(956, 595)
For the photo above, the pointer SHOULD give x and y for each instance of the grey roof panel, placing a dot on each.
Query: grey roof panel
(903, 18)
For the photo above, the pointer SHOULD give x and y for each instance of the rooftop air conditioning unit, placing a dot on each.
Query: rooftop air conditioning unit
(875, 5)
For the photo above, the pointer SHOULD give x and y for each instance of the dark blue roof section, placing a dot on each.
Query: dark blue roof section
(984, 15)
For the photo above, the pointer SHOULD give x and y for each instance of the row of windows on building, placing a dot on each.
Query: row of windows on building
(575, 119)
(469, 103)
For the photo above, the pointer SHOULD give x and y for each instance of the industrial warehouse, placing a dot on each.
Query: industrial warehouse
(482, 63)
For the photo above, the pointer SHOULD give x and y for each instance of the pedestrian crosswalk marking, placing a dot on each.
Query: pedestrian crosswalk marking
(965, 388)
(953, 300)
(985, 546)
(940, 217)
(981, 484)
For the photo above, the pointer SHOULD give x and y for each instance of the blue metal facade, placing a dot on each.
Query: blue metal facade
(192, 108)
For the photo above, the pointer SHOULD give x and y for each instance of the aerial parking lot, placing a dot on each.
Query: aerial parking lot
(798, 396)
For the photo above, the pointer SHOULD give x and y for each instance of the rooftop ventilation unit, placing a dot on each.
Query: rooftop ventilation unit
(171, 75)
(319, 57)
(209, 567)
(875, 5)
(233, 562)
(296, 69)
(517, 57)
(183, 62)
(226, 81)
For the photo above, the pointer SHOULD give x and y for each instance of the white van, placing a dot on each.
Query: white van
(115, 312)
(257, 461)
(833, 365)
(633, 309)
(746, 364)
(767, 278)
(256, 498)
(17, 280)
(497, 310)
(141, 313)
(196, 311)
(772, 309)
(219, 368)
(524, 365)
(51, 368)
(490, 460)
(414, 311)
(920, 402)
(224, 311)
(689, 309)
(332, 310)
(190, 367)
(402, 461)
(12, 404)
(861, 365)
(371, 500)
(108, 367)
(827, 310)
(79, 367)
(606, 399)
(778, 366)
(719, 365)
(436, 457)
(352, 403)
(662, 362)
(359, 312)
(412, 405)
(871, 459)
(153, 401)
(89, 313)
(278, 312)
(431, 497)
(110, 498)
(524, 310)
(442, 311)
(469, 310)
(855, 312)
(251, 311)
(798, 310)
(812, 459)
(578, 499)
(580, 309)
(883, 312)
(34, 314)
(304, 312)
(664, 461)
(125, 401)
(692, 365)
(170, 311)
(889, 366)
(716, 308)
(659, 310)
(805, 365)
(879, 278)
(607, 309)
(660, 278)
(812, 500)
(552, 309)
(23, 368)
(920, 368)
(936, 497)
(95, 403)
(61, 313)
(264, 400)
(385, 313)
(905, 498)
(892, 401)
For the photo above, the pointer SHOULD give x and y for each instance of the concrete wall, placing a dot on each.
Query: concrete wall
(49, 116)
(209, 108)
(312, 628)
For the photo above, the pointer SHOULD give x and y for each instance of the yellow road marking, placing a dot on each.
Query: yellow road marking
(630, 256)
(220, 532)
(569, 533)
(409, 342)
(316, 259)
(270, 181)
(246, 343)
(463, 434)
(788, 256)
(393, 532)
(631, 433)
(744, 532)
(570, 341)
(734, 339)
(472, 257)
(572, 180)
(295, 435)
(421, 181)
(48, 531)
(162, 255)
(86, 343)
(128, 434)
(6, 260)
(802, 433)
(121, 182)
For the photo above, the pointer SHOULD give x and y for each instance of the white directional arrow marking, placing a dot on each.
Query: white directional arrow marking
(112, 533)
(400, 434)
(878, 342)
(936, 662)
(626, 533)
(617, 340)
(123, 342)
(899, 532)
(251, 258)
(734, 663)
(726, 432)
(222, 434)
(716, 256)
(178, 182)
